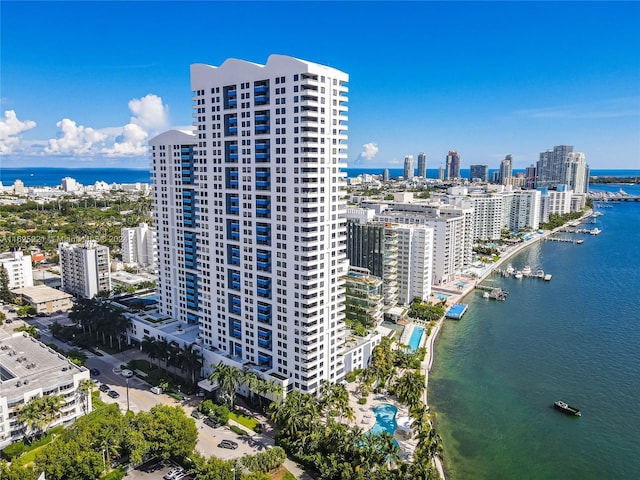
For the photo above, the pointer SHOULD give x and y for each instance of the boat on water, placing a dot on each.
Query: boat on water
(566, 408)
(540, 273)
(486, 295)
(518, 275)
(510, 270)
(595, 231)
(547, 277)
(526, 271)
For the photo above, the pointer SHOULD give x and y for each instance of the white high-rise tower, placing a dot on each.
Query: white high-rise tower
(256, 210)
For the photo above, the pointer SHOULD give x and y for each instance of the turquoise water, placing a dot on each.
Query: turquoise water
(455, 311)
(442, 296)
(414, 339)
(385, 418)
(576, 338)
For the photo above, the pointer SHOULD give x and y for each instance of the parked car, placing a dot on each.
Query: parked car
(228, 444)
(104, 387)
(197, 414)
(126, 373)
(211, 422)
(113, 394)
(156, 390)
(94, 372)
(174, 473)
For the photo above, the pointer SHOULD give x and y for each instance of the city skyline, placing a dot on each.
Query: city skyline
(482, 78)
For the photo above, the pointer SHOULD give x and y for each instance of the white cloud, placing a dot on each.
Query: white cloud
(10, 130)
(369, 151)
(75, 140)
(150, 116)
(150, 113)
(131, 142)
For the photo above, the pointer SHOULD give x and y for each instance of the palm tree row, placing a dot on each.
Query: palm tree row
(230, 379)
(187, 358)
(96, 316)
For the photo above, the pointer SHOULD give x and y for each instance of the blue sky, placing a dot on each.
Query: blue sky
(88, 83)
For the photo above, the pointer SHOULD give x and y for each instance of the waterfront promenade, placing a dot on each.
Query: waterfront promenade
(457, 290)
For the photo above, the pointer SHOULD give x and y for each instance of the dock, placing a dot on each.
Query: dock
(456, 311)
(564, 240)
(493, 293)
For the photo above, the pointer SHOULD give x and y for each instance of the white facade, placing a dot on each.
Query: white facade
(560, 201)
(414, 260)
(31, 369)
(259, 269)
(139, 246)
(525, 210)
(18, 267)
(452, 234)
(84, 269)
(69, 184)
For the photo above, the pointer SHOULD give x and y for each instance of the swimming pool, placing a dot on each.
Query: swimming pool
(442, 296)
(414, 339)
(460, 284)
(385, 418)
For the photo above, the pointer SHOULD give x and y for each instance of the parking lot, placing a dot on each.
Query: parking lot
(154, 469)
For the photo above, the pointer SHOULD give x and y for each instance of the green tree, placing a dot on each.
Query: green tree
(168, 431)
(85, 387)
(410, 387)
(5, 293)
(228, 379)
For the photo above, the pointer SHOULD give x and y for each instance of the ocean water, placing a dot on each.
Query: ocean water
(576, 338)
(52, 177)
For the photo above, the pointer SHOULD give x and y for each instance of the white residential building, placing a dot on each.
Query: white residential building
(31, 369)
(249, 214)
(414, 260)
(139, 246)
(453, 231)
(18, 267)
(84, 268)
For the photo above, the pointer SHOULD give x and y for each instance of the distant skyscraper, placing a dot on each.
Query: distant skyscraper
(441, 172)
(577, 173)
(530, 177)
(408, 167)
(422, 165)
(551, 166)
(479, 173)
(453, 165)
(506, 169)
(385, 175)
(139, 246)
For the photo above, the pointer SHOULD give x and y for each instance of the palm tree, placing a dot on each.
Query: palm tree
(191, 361)
(299, 412)
(228, 379)
(410, 387)
(30, 415)
(52, 406)
(85, 387)
(163, 351)
(150, 346)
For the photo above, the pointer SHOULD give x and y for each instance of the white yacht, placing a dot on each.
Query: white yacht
(526, 271)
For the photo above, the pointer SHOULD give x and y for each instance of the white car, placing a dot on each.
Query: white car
(174, 473)
(126, 373)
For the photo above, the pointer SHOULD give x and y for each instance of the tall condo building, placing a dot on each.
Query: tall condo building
(84, 268)
(252, 209)
(561, 165)
(139, 246)
(408, 167)
(422, 165)
(479, 173)
(453, 165)
(506, 170)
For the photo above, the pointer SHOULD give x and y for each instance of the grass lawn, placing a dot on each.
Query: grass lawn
(248, 422)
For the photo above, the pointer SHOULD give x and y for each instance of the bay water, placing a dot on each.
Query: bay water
(576, 338)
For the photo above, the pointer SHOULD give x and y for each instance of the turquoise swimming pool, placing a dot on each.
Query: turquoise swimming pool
(414, 339)
(385, 418)
(442, 296)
